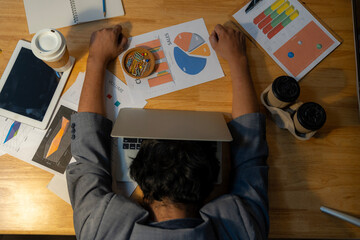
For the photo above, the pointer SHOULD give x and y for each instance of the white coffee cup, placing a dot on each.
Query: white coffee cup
(49, 45)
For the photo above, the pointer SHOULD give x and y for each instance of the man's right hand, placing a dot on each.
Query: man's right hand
(228, 43)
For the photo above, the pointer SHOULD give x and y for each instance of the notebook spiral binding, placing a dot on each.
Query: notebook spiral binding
(74, 11)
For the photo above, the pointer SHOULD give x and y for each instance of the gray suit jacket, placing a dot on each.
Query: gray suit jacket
(101, 214)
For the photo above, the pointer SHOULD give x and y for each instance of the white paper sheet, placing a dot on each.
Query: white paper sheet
(299, 46)
(186, 56)
(72, 95)
(117, 96)
(16, 144)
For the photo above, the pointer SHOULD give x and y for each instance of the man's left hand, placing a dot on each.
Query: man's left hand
(106, 44)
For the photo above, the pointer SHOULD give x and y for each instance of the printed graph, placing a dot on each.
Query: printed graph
(289, 34)
(13, 135)
(191, 52)
(276, 17)
(55, 143)
(54, 149)
(161, 72)
(13, 131)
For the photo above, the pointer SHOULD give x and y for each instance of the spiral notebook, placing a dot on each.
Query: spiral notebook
(62, 13)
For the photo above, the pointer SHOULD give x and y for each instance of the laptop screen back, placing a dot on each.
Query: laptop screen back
(171, 124)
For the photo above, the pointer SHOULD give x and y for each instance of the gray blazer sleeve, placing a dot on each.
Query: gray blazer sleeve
(249, 152)
(243, 213)
(98, 212)
(89, 180)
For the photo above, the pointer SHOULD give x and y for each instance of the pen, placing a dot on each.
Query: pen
(343, 216)
(251, 5)
(104, 8)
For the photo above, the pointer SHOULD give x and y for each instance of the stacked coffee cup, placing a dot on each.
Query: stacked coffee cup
(308, 116)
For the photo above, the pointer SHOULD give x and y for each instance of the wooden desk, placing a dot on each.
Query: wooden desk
(303, 175)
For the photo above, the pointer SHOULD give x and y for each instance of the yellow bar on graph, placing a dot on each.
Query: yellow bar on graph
(283, 7)
(276, 4)
(289, 10)
(294, 15)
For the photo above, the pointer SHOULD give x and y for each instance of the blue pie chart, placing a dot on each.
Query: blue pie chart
(189, 64)
(190, 52)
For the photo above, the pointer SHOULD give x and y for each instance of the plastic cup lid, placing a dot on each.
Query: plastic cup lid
(286, 88)
(48, 44)
(311, 116)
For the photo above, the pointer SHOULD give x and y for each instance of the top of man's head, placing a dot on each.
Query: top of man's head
(180, 171)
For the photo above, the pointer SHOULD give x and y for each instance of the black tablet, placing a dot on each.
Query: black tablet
(30, 89)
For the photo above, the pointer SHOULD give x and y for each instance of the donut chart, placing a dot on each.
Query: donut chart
(191, 52)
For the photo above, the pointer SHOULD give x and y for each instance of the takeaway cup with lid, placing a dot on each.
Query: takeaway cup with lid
(284, 91)
(49, 45)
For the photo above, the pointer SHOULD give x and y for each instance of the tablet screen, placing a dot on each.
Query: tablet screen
(29, 87)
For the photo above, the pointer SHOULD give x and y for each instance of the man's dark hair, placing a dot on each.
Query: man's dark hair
(181, 171)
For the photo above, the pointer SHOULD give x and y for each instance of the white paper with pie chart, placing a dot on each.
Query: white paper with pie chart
(183, 58)
(191, 52)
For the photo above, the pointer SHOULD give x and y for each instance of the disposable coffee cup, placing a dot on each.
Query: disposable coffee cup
(309, 117)
(49, 45)
(284, 91)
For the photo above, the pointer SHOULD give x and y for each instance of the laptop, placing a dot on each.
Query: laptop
(133, 125)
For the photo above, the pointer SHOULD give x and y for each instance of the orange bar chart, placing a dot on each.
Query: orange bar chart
(161, 70)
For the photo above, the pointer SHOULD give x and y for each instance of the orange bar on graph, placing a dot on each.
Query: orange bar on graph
(156, 81)
(161, 67)
(149, 45)
(54, 146)
(159, 55)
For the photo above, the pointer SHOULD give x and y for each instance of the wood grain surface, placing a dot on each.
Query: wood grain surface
(303, 175)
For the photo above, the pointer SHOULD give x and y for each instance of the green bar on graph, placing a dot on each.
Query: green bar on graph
(286, 22)
(279, 19)
(268, 11)
(274, 15)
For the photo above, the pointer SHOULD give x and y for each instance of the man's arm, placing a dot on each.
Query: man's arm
(105, 45)
(230, 45)
(249, 147)
(89, 179)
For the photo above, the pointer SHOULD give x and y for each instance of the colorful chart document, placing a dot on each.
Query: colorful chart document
(184, 58)
(18, 139)
(54, 149)
(287, 31)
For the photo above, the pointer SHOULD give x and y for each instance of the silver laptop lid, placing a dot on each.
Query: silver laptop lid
(171, 124)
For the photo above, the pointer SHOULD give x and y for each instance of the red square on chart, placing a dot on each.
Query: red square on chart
(109, 96)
